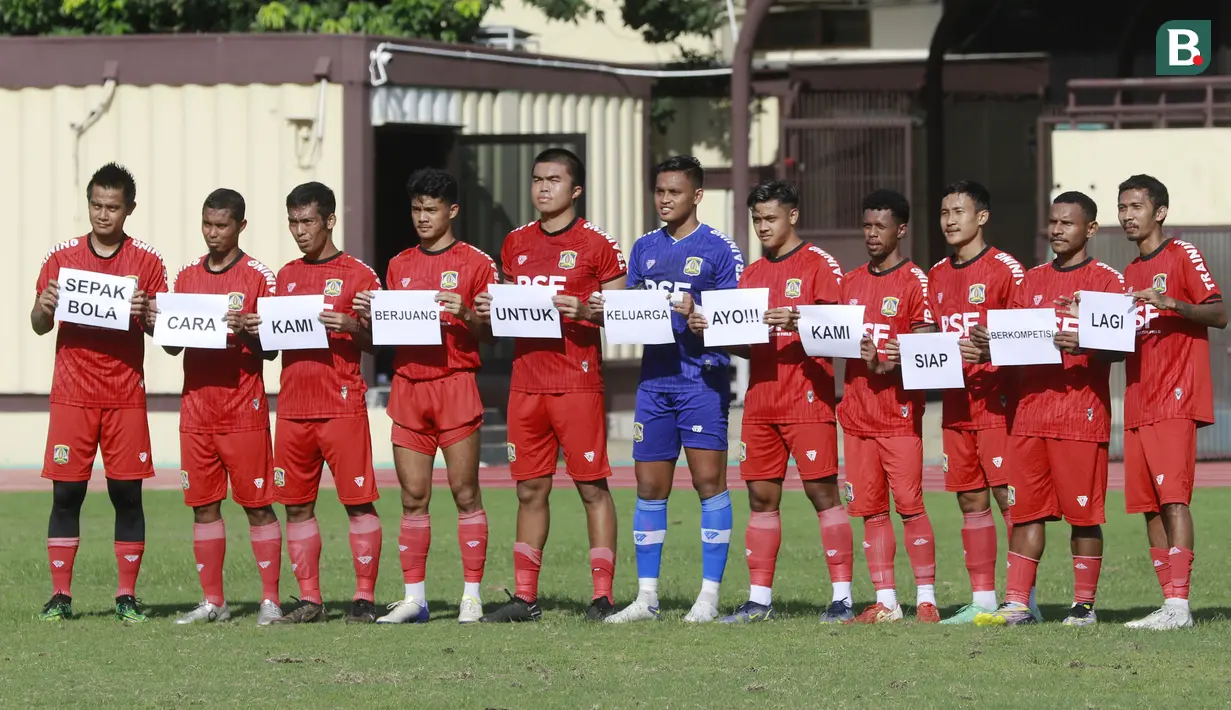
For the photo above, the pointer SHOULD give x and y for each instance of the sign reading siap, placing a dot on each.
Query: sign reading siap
(931, 361)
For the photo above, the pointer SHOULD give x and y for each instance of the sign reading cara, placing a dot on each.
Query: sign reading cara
(1023, 336)
(931, 361)
(192, 320)
(734, 316)
(292, 322)
(637, 317)
(405, 318)
(831, 331)
(1106, 321)
(100, 300)
(520, 311)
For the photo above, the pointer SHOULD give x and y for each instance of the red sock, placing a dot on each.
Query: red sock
(920, 548)
(979, 545)
(880, 546)
(602, 571)
(527, 562)
(303, 545)
(1181, 569)
(472, 539)
(1162, 567)
(267, 549)
(763, 538)
(1085, 578)
(1022, 571)
(365, 549)
(61, 552)
(209, 546)
(128, 561)
(839, 542)
(413, 542)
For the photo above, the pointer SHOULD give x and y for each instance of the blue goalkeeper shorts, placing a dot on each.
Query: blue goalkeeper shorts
(665, 421)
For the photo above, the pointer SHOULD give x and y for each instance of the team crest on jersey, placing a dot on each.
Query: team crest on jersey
(850, 492)
(944, 462)
(235, 301)
(184, 480)
(1160, 283)
(568, 259)
(333, 287)
(1038, 300)
(1012, 495)
(512, 451)
(448, 280)
(978, 293)
(279, 477)
(692, 266)
(889, 306)
(638, 432)
(793, 287)
(59, 454)
(743, 451)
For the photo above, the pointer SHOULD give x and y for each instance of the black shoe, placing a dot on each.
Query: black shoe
(362, 611)
(516, 609)
(59, 607)
(600, 609)
(304, 612)
(838, 612)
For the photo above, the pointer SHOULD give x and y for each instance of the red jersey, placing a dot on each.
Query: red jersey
(98, 367)
(224, 390)
(460, 268)
(325, 384)
(577, 260)
(1072, 400)
(1169, 374)
(785, 384)
(895, 302)
(964, 293)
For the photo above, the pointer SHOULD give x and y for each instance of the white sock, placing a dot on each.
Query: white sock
(925, 594)
(985, 600)
(887, 598)
(471, 589)
(647, 590)
(1176, 603)
(709, 592)
(842, 592)
(760, 595)
(417, 591)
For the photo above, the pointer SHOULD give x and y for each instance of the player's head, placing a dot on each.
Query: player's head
(433, 202)
(112, 196)
(222, 220)
(678, 187)
(558, 180)
(1143, 205)
(774, 206)
(1074, 219)
(310, 209)
(886, 215)
(964, 210)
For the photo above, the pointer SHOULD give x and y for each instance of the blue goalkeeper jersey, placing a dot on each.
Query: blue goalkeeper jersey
(706, 260)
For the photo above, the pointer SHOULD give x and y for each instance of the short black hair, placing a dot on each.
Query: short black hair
(895, 202)
(567, 158)
(1088, 208)
(313, 193)
(978, 194)
(434, 183)
(784, 193)
(690, 166)
(1153, 187)
(114, 176)
(229, 200)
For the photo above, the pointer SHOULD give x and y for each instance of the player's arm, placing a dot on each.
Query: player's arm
(697, 324)
(43, 314)
(590, 309)
(1211, 314)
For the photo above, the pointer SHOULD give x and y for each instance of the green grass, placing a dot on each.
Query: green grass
(564, 663)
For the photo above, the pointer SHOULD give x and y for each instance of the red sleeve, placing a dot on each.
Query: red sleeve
(506, 266)
(156, 277)
(282, 279)
(1199, 284)
(919, 309)
(50, 265)
(390, 277)
(1017, 295)
(368, 280)
(609, 261)
(484, 275)
(828, 285)
(1114, 281)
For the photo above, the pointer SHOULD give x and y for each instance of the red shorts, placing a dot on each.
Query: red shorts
(763, 450)
(542, 424)
(1053, 478)
(1160, 461)
(434, 414)
(974, 460)
(75, 434)
(303, 446)
(875, 466)
(207, 460)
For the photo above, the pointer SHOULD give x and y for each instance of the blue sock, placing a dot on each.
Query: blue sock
(715, 535)
(649, 531)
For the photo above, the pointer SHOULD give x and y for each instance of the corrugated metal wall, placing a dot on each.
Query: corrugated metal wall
(180, 143)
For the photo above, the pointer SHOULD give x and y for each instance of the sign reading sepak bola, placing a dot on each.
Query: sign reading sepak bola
(100, 300)
(192, 320)
(405, 318)
(637, 317)
(292, 322)
(524, 311)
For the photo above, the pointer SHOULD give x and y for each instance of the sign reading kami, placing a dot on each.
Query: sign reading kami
(192, 320)
(831, 331)
(931, 361)
(1106, 321)
(734, 316)
(292, 322)
(637, 317)
(1023, 336)
(405, 318)
(100, 300)
(524, 311)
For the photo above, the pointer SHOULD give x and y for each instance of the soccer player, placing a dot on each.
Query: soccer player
(882, 424)
(1061, 425)
(224, 416)
(434, 401)
(685, 389)
(556, 397)
(1170, 393)
(976, 278)
(322, 410)
(789, 405)
(98, 393)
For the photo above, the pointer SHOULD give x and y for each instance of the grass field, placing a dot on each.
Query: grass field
(564, 663)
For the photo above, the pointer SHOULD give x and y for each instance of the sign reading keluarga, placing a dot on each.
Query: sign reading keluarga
(100, 300)
(931, 361)
(831, 331)
(292, 322)
(1023, 336)
(405, 318)
(637, 317)
(192, 320)
(520, 311)
(1106, 321)
(735, 316)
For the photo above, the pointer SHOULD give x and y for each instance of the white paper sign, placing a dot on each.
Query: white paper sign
(1023, 336)
(734, 316)
(931, 361)
(831, 331)
(405, 318)
(100, 300)
(192, 320)
(1106, 321)
(524, 311)
(637, 317)
(292, 323)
